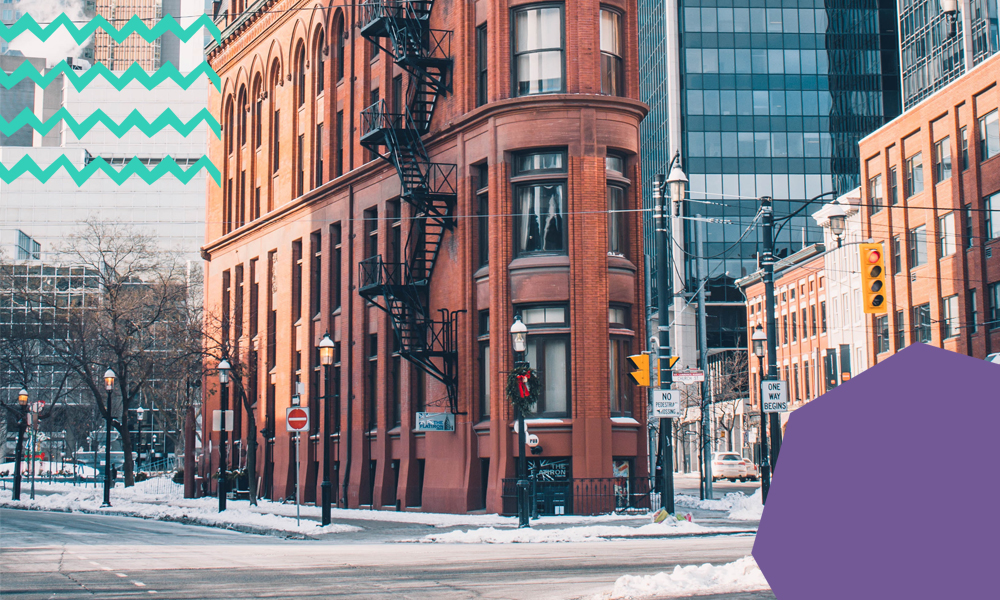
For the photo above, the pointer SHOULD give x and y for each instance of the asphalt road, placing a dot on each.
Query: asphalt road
(69, 556)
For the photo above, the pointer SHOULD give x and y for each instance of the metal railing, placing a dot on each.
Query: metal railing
(585, 496)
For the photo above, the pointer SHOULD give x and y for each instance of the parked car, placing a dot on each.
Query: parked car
(728, 465)
(753, 472)
(994, 358)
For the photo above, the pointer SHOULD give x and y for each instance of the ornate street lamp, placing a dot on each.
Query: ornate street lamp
(759, 338)
(139, 412)
(222, 486)
(22, 424)
(109, 385)
(326, 348)
(519, 341)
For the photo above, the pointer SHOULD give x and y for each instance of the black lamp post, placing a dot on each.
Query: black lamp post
(519, 339)
(22, 424)
(759, 339)
(326, 347)
(223, 367)
(109, 385)
(838, 221)
(139, 412)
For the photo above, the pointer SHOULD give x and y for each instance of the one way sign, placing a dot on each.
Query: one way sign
(775, 395)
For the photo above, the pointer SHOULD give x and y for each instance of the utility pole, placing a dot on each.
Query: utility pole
(706, 433)
(767, 263)
(664, 294)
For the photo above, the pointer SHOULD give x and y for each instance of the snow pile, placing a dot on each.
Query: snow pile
(739, 506)
(747, 508)
(592, 533)
(203, 511)
(42, 468)
(742, 575)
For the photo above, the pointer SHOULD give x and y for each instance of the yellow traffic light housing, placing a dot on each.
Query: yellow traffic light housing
(874, 300)
(641, 363)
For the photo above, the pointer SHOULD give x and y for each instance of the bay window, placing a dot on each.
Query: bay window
(612, 63)
(538, 50)
(540, 205)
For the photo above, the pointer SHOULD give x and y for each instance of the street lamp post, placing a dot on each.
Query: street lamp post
(838, 221)
(759, 339)
(519, 340)
(139, 412)
(326, 347)
(22, 424)
(222, 487)
(109, 385)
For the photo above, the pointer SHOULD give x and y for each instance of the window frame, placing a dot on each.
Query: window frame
(987, 126)
(618, 86)
(514, 54)
(875, 193)
(942, 160)
(913, 241)
(538, 177)
(482, 64)
(914, 174)
(921, 323)
(991, 212)
(946, 235)
(950, 326)
(621, 387)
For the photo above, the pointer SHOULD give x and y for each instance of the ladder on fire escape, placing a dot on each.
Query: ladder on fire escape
(401, 28)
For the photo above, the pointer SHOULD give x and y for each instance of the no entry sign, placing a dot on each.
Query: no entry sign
(297, 419)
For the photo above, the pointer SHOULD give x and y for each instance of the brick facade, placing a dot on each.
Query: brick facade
(392, 464)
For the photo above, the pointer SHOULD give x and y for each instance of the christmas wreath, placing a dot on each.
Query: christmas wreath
(523, 386)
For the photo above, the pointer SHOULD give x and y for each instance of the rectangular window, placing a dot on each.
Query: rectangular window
(922, 323)
(275, 141)
(989, 135)
(991, 204)
(254, 298)
(371, 232)
(917, 242)
(805, 329)
(397, 391)
(549, 354)
(964, 132)
(296, 280)
(398, 101)
(484, 380)
(621, 388)
(335, 385)
(946, 235)
(338, 159)
(914, 174)
(372, 385)
(483, 212)
(822, 311)
(875, 193)
(881, 334)
(969, 241)
(805, 379)
(893, 187)
(226, 316)
(897, 255)
(538, 50)
(973, 312)
(482, 65)
(540, 221)
(949, 317)
(942, 160)
(300, 181)
(900, 331)
(318, 176)
(335, 258)
(315, 272)
(812, 320)
(616, 220)
(612, 63)
(993, 297)
(341, 51)
(784, 329)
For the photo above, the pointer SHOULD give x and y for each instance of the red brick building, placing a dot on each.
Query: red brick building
(932, 196)
(409, 176)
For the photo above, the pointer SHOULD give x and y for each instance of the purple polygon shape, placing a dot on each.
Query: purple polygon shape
(887, 486)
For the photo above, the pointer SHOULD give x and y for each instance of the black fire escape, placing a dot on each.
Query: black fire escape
(401, 28)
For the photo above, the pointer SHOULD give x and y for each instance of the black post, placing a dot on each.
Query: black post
(326, 487)
(107, 455)
(767, 262)
(523, 485)
(138, 444)
(765, 466)
(665, 295)
(22, 425)
(223, 440)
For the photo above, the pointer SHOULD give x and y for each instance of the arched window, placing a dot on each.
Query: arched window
(241, 106)
(275, 116)
(341, 48)
(229, 126)
(258, 110)
(320, 64)
(300, 73)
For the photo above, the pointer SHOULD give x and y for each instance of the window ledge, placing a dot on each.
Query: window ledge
(539, 261)
(624, 421)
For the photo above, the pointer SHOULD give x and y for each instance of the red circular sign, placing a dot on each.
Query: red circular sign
(298, 419)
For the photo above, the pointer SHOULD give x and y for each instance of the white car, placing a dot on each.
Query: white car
(729, 465)
(994, 358)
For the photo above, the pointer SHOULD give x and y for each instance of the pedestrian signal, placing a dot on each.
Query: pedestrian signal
(641, 363)
(873, 290)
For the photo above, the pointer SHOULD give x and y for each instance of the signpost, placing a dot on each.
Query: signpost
(667, 404)
(297, 421)
(775, 395)
(688, 376)
(217, 420)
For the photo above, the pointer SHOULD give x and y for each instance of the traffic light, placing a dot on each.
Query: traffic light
(873, 291)
(641, 363)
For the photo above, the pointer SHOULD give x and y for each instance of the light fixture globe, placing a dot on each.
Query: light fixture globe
(519, 335)
(759, 338)
(109, 380)
(224, 368)
(326, 347)
(139, 411)
(22, 397)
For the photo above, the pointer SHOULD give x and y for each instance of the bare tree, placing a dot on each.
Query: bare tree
(728, 377)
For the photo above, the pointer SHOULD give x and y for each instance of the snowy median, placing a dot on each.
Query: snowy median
(156, 499)
(739, 506)
(742, 575)
(591, 533)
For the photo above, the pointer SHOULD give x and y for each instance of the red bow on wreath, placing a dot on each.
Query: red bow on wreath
(522, 384)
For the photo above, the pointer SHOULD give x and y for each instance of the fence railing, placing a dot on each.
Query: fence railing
(586, 496)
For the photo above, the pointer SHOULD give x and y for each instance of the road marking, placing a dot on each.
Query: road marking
(139, 584)
(93, 563)
(121, 574)
(106, 568)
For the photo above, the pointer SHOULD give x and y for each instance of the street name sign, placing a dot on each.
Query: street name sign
(296, 419)
(775, 395)
(667, 404)
(217, 420)
(688, 376)
(435, 421)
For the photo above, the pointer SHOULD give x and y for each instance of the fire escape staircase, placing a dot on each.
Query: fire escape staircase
(401, 28)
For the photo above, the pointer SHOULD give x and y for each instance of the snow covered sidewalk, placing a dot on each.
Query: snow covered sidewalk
(590, 533)
(742, 575)
(739, 506)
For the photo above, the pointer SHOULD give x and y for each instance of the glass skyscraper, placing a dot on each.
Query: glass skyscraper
(774, 96)
(936, 48)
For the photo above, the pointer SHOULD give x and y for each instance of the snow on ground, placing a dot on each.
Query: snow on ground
(136, 502)
(742, 575)
(740, 506)
(42, 468)
(592, 533)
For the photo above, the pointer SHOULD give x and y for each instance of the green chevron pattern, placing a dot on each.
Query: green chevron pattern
(81, 79)
(135, 119)
(167, 24)
(134, 167)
